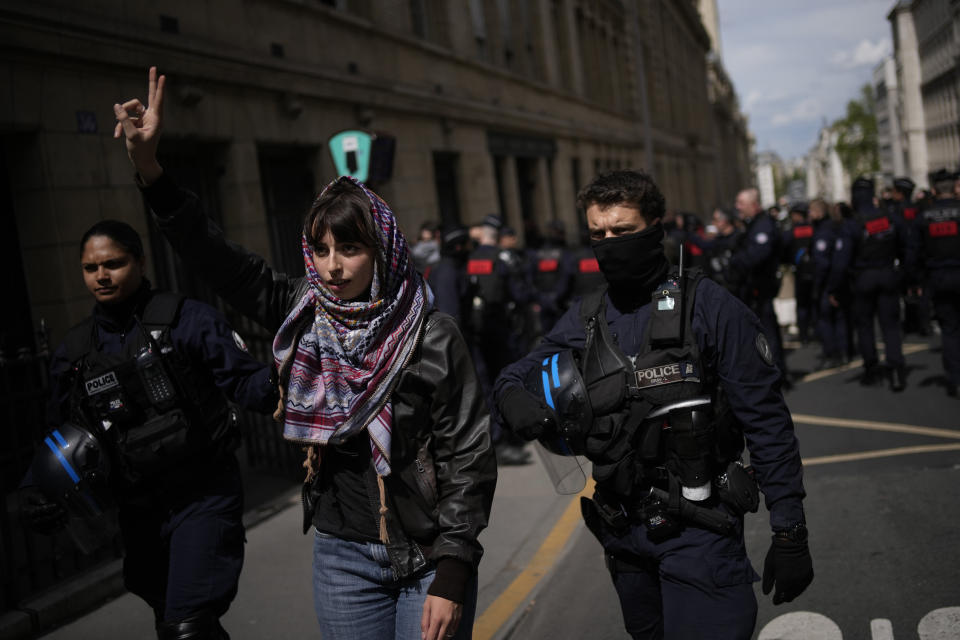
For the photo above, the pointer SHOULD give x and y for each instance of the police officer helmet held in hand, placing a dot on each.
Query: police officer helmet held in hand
(559, 383)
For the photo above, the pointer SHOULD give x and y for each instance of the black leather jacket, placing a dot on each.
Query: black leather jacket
(443, 466)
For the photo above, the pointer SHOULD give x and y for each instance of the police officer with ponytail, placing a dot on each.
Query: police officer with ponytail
(142, 427)
(659, 379)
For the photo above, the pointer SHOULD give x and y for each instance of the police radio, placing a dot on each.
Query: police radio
(159, 387)
(156, 381)
(666, 314)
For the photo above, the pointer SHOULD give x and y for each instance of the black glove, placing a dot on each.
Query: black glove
(41, 515)
(789, 565)
(525, 414)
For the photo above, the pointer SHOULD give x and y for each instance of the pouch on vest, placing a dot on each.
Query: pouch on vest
(666, 315)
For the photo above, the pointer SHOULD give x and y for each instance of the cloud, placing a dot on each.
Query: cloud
(796, 64)
(752, 99)
(865, 53)
(805, 110)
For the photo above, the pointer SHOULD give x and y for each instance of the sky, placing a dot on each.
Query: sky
(795, 65)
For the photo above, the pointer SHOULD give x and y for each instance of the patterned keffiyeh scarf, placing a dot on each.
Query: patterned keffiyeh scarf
(343, 357)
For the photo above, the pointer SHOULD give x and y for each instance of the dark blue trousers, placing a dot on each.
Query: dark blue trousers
(806, 307)
(184, 559)
(697, 584)
(945, 286)
(832, 328)
(876, 292)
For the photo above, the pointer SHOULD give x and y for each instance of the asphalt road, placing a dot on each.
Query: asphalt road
(882, 473)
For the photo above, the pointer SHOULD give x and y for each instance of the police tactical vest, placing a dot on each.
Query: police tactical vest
(547, 268)
(878, 240)
(940, 225)
(156, 408)
(801, 242)
(487, 284)
(668, 370)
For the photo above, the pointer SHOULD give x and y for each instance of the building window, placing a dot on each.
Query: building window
(288, 187)
(478, 19)
(418, 18)
(445, 171)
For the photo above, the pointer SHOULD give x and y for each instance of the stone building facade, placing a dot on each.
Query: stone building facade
(938, 47)
(494, 106)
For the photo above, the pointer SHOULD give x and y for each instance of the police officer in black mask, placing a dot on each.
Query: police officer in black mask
(663, 349)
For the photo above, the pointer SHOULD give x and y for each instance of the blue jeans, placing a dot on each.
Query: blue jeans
(357, 596)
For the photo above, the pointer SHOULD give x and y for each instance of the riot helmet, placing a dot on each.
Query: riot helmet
(559, 383)
(72, 468)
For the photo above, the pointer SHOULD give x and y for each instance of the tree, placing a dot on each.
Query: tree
(857, 135)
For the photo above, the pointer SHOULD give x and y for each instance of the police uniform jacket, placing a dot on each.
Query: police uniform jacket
(756, 259)
(216, 355)
(443, 467)
(727, 336)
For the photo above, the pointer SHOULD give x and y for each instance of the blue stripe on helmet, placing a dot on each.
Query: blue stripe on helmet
(63, 461)
(546, 360)
(60, 440)
(556, 374)
(546, 389)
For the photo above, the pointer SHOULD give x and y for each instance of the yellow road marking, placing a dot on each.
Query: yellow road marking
(880, 453)
(497, 614)
(853, 364)
(870, 425)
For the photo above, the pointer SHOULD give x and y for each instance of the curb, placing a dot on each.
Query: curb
(511, 626)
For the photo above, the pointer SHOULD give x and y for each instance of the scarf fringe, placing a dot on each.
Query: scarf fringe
(384, 538)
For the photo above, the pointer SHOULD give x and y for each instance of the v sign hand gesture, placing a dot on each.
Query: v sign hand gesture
(140, 125)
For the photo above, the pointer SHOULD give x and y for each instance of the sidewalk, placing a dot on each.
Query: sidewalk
(275, 598)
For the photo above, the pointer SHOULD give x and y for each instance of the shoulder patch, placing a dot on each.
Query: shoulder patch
(237, 340)
(761, 238)
(838, 244)
(763, 348)
(821, 245)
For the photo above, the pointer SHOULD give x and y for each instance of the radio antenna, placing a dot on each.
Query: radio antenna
(680, 267)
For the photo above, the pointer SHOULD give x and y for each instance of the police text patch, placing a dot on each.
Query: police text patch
(666, 374)
(101, 383)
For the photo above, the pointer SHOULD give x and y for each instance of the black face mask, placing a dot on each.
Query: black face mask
(633, 264)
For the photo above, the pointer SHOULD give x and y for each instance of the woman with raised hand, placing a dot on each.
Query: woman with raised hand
(375, 383)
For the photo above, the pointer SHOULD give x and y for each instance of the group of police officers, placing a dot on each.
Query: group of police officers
(879, 260)
(852, 265)
(605, 350)
(503, 298)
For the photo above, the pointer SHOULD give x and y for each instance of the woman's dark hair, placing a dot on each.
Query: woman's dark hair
(120, 232)
(631, 188)
(344, 211)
